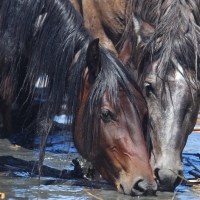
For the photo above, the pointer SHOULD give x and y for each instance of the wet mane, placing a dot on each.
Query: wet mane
(47, 45)
(176, 35)
(109, 80)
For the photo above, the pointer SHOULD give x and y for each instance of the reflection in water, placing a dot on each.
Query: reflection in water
(16, 182)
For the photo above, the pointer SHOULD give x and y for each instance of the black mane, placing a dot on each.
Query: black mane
(43, 37)
(112, 75)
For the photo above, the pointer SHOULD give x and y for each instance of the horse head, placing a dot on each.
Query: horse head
(167, 62)
(108, 126)
(173, 108)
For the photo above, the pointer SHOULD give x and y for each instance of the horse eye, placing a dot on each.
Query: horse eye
(149, 88)
(107, 115)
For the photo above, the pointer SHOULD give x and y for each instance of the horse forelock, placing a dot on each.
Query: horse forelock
(113, 75)
(176, 36)
(174, 45)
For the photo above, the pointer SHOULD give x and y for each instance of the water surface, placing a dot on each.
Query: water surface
(19, 176)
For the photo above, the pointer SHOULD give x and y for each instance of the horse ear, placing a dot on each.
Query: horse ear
(143, 29)
(93, 60)
(126, 51)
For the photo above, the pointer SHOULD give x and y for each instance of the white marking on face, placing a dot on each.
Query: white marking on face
(179, 70)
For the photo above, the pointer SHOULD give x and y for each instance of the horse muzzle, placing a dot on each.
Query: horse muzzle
(168, 179)
(140, 187)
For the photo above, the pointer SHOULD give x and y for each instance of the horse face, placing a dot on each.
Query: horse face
(119, 152)
(173, 112)
(172, 99)
(122, 151)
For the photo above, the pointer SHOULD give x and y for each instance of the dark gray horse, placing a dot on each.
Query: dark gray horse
(167, 35)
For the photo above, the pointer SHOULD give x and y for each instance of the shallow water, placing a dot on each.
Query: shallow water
(19, 177)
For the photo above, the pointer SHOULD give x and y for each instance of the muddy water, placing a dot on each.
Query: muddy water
(19, 177)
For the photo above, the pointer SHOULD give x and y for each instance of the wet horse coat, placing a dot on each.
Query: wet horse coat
(165, 58)
(48, 38)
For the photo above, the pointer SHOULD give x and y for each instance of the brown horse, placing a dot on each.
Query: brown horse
(108, 108)
(164, 43)
(109, 143)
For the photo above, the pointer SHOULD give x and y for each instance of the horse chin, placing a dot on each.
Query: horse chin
(166, 188)
(168, 180)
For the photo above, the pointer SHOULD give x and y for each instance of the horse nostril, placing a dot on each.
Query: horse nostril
(156, 170)
(143, 187)
(122, 189)
(139, 185)
(138, 188)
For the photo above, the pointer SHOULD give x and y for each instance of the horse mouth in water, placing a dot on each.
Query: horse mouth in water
(108, 108)
(114, 133)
